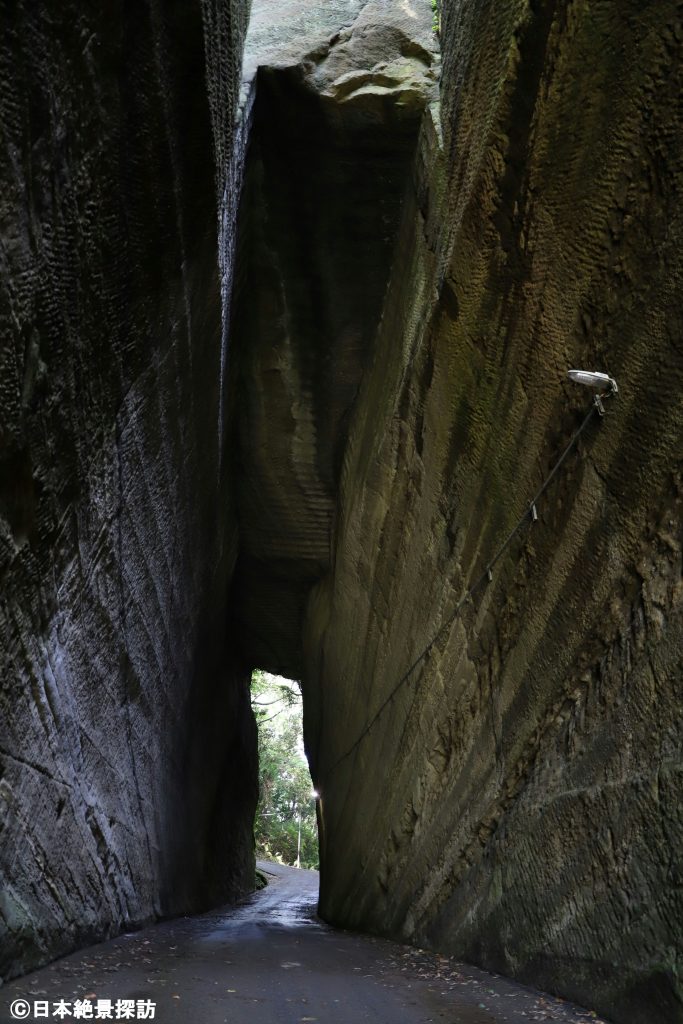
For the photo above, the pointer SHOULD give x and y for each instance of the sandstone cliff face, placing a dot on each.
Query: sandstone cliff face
(399, 396)
(336, 107)
(519, 800)
(308, 475)
(126, 740)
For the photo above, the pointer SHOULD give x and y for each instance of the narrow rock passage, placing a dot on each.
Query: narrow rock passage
(271, 960)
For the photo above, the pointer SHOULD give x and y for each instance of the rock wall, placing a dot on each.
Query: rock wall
(336, 116)
(518, 801)
(127, 748)
(310, 475)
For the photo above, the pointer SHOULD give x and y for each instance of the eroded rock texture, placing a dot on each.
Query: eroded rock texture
(309, 477)
(405, 316)
(335, 125)
(126, 739)
(519, 802)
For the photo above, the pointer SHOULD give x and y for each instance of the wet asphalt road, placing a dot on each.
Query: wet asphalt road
(270, 961)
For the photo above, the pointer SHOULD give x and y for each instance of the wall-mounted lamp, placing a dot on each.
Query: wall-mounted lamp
(593, 379)
(602, 384)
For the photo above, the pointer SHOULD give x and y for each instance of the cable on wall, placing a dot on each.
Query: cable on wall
(604, 387)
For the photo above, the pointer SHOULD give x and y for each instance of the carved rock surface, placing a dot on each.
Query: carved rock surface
(308, 474)
(336, 116)
(127, 752)
(518, 800)
(396, 407)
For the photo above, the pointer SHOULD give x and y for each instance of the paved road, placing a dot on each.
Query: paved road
(270, 961)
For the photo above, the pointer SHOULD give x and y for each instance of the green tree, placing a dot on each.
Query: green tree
(436, 15)
(285, 828)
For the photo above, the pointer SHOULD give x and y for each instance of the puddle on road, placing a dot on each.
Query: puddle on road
(267, 911)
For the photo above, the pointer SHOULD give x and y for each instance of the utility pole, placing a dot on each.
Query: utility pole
(298, 846)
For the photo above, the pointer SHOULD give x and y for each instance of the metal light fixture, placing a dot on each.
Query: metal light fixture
(602, 384)
(592, 379)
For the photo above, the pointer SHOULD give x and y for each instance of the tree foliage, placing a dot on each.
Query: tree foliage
(286, 804)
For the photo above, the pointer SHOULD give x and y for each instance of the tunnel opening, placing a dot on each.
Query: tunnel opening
(285, 826)
(329, 183)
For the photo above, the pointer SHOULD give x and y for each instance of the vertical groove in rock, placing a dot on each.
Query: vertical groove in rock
(336, 114)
